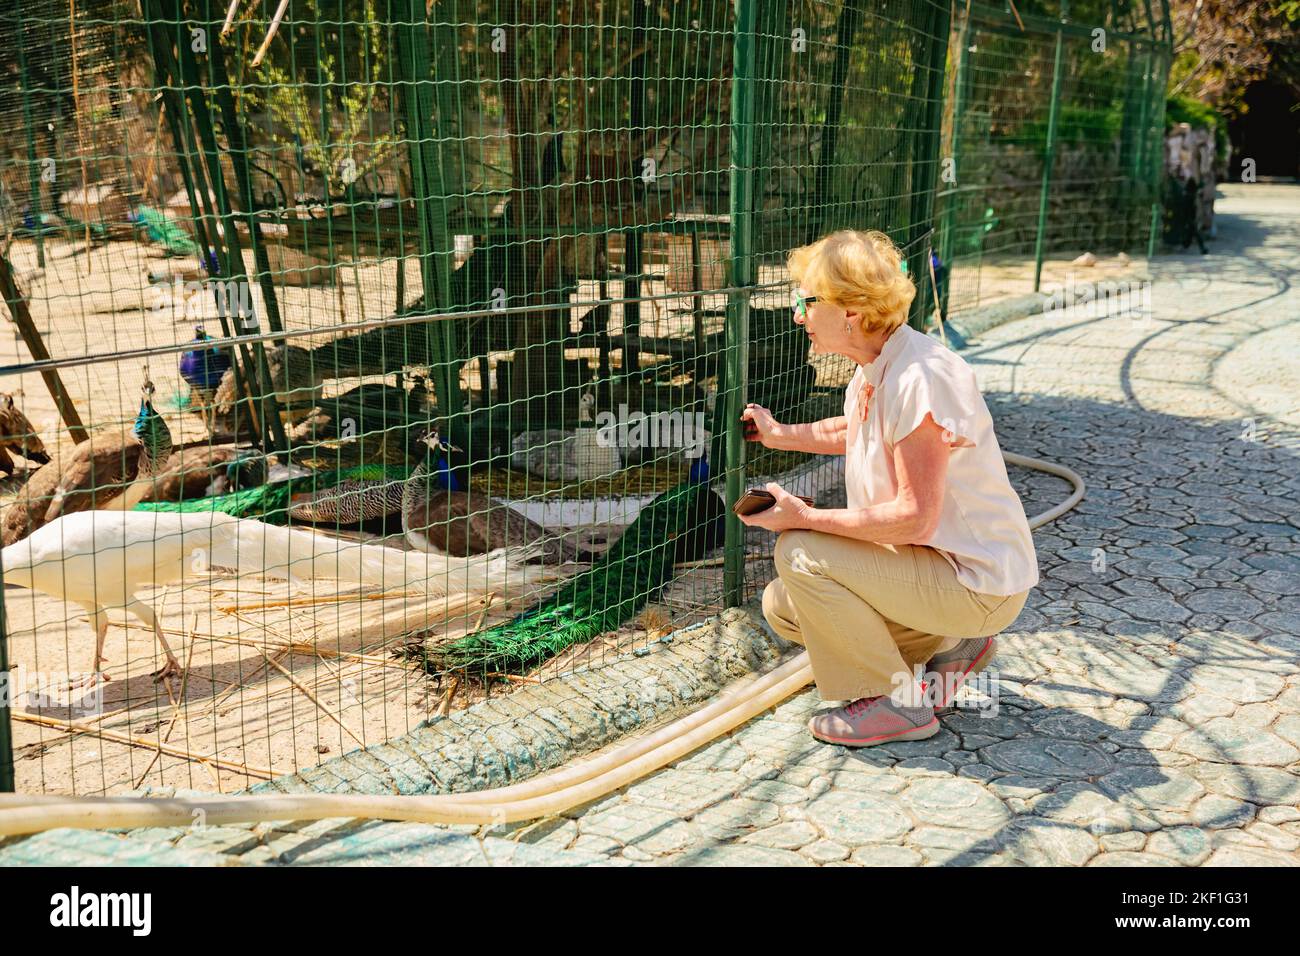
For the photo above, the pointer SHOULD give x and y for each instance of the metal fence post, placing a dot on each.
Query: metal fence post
(742, 261)
(925, 162)
(7, 784)
(1049, 157)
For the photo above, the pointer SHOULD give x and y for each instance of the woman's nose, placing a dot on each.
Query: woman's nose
(799, 317)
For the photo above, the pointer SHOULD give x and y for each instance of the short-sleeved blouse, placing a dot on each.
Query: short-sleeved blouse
(982, 532)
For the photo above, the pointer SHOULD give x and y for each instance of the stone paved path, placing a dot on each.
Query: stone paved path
(1148, 698)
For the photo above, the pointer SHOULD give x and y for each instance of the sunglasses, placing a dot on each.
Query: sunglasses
(800, 302)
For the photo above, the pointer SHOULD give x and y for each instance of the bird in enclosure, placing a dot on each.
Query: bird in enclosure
(369, 502)
(102, 559)
(442, 514)
(105, 471)
(18, 435)
(682, 524)
(202, 369)
(200, 472)
(296, 383)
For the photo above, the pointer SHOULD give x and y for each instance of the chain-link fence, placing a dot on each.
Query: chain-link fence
(376, 357)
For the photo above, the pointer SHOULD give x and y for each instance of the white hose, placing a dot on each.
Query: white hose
(547, 795)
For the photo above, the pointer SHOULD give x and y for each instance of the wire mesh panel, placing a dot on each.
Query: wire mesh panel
(1051, 146)
(376, 357)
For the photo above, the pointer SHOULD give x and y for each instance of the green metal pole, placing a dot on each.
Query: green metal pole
(742, 261)
(6, 691)
(33, 172)
(436, 248)
(925, 161)
(948, 237)
(1155, 130)
(1049, 158)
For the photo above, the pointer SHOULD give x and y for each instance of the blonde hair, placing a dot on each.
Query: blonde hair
(858, 271)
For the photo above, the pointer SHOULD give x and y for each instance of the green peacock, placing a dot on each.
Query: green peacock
(682, 524)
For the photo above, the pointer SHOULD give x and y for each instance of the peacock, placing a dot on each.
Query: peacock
(101, 559)
(18, 435)
(442, 514)
(164, 230)
(105, 471)
(204, 470)
(682, 524)
(279, 501)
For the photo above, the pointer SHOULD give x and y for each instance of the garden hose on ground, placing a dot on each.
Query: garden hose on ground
(543, 796)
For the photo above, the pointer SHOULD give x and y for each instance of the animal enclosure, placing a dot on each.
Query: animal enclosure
(373, 358)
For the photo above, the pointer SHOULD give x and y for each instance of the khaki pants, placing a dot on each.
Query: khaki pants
(868, 612)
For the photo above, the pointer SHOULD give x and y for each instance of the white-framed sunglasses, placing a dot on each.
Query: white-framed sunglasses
(799, 302)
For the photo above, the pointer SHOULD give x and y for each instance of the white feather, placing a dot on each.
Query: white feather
(101, 558)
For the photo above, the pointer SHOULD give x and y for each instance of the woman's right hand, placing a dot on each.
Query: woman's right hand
(760, 426)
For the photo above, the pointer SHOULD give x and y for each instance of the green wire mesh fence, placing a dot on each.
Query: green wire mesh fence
(1053, 146)
(316, 304)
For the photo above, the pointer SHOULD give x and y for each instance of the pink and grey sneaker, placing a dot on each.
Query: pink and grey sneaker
(950, 669)
(873, 720)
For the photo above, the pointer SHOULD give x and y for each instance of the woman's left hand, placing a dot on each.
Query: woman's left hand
(788, 512)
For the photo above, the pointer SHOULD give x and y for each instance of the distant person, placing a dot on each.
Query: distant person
(933, 555)
(1191, 214)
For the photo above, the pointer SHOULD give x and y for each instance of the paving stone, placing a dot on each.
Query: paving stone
(784, 836)
(824, 852)
(1276, 815)
(854, 819)
(1132, 859)
(1216, 812)
(1066, 759)
(742, 855)
(1250, 856)
(1152, 788)
(739, 813)
(1130, 840)
(1233, 741)
(1188, 845)
(886, 856)
(1061, 844)
(954, 802)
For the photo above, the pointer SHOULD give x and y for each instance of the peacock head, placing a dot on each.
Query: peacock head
(152, 431)
(437, 458)
(699, 472)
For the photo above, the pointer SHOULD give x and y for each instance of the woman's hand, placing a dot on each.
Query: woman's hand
(788, 512)
(764, 426)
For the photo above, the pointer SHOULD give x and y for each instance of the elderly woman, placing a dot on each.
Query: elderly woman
(933, 555)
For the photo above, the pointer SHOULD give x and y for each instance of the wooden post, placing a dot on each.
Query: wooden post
(36, 346)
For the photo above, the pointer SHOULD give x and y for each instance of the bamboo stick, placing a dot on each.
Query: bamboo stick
(176, 707)
(230, 18)
(270, 33)
(312, 697)
(69, 726)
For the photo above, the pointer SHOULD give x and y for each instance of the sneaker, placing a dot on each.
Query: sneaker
(969, 657)
(873, 720)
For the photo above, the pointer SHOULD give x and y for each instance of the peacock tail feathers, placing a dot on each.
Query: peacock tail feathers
(165, 231)
(270, 502)
(675, 526)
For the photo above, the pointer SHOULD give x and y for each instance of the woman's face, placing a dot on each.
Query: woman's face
(825, 324)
